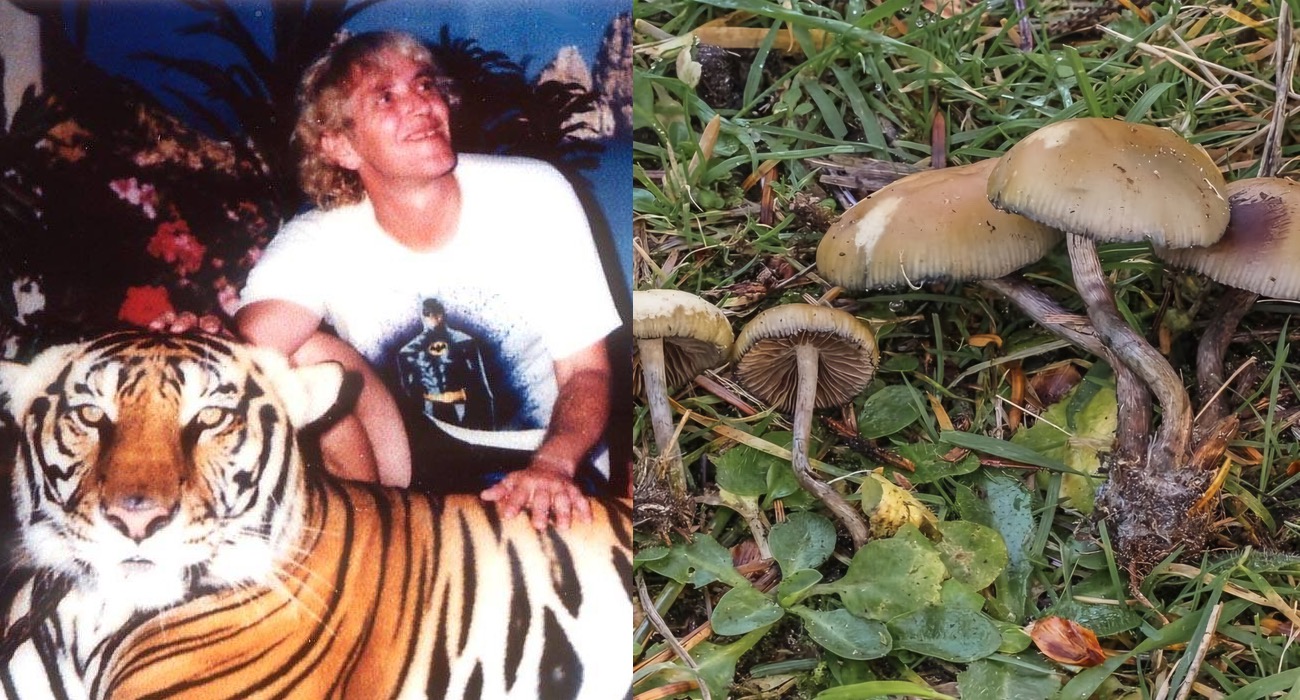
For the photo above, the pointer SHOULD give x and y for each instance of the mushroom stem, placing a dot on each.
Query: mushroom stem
(805, 400)
(1047, 313)
(1210, 354)
(661, 417)
(1172, 443)
(1134, 424)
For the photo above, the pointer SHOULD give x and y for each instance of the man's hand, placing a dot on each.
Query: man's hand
(545, 492)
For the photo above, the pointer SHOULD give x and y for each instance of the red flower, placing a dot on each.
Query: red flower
(174, 243)
(144, 304)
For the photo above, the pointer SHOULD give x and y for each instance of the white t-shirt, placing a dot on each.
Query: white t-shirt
(520, 285)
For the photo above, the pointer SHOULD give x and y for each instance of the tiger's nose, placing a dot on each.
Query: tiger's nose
(137, 516)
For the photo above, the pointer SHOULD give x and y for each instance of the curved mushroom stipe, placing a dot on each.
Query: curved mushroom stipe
(1210, 353)
(805, 401)
(1134, 424)
(1171, 446)
(1044, 311)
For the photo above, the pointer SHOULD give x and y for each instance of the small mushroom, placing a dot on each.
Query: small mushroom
(800, 357)
(677, 335)
(1256, 256)
(1102, 180)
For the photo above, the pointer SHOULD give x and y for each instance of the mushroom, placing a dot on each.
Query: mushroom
(1101, 180)
(1256, 256)
(800, 357)
(677, 335)
(929, 226)
(939, 225)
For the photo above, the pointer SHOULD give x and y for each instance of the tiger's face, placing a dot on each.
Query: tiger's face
(150, 464)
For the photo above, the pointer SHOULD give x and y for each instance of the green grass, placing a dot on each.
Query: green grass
(872, 92)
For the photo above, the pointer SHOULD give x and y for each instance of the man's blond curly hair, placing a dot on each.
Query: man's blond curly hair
(323, 109)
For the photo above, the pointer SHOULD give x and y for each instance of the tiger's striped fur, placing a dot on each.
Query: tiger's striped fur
(182, 550)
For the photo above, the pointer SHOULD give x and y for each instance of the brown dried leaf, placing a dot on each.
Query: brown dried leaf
(744, 553)
(1066, 642)
(1053, 383)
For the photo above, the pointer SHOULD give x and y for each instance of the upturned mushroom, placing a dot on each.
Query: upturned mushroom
(798, 358)
(1101, 180)
(677, 335)
(939, 225)
(1256, 256)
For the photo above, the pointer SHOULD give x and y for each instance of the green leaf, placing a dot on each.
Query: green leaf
(743, 470)
(699, 563)
(1075, 430)
(974, 554)
(1105, 620)
(1003, 449)
(888, 411)
(846, 634)
(649, 554)
(1008, 508)
(794, 587)
(717, 663)
(744, 609)
(987, 679)
(928, 458)
(781, 481)
(951, 633)
(1269, 686)
(892, 577)
(900, 363)
(882, 689)
(1014, 638)
(954, 593)
(804, 541)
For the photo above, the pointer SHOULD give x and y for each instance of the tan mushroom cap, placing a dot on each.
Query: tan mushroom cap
(696, 334)
(1261, 247)
(1114, 181)
(765, 354)
(930, 226)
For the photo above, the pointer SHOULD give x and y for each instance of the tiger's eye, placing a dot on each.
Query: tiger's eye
(89, 414)
(211, 417)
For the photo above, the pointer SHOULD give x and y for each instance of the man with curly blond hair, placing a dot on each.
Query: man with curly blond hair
(501, 243)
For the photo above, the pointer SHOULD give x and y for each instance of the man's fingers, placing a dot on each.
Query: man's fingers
(211, 324)
(561, 508)
(540, 504)
(545, 498)
(164, 320)
(582, 509)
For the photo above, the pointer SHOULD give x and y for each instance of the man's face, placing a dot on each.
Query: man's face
(401, 125)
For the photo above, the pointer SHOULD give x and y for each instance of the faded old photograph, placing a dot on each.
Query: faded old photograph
(315, 320)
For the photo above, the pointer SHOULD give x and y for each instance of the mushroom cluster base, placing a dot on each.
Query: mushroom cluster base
(1151, 512)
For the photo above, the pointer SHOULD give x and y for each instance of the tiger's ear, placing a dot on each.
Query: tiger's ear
(321, 384)
(306, 392)
(21, 383)
(10, 373)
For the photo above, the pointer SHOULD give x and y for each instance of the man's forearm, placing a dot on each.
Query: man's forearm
(580, 413)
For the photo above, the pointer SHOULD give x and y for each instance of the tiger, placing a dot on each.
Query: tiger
(176, 543)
